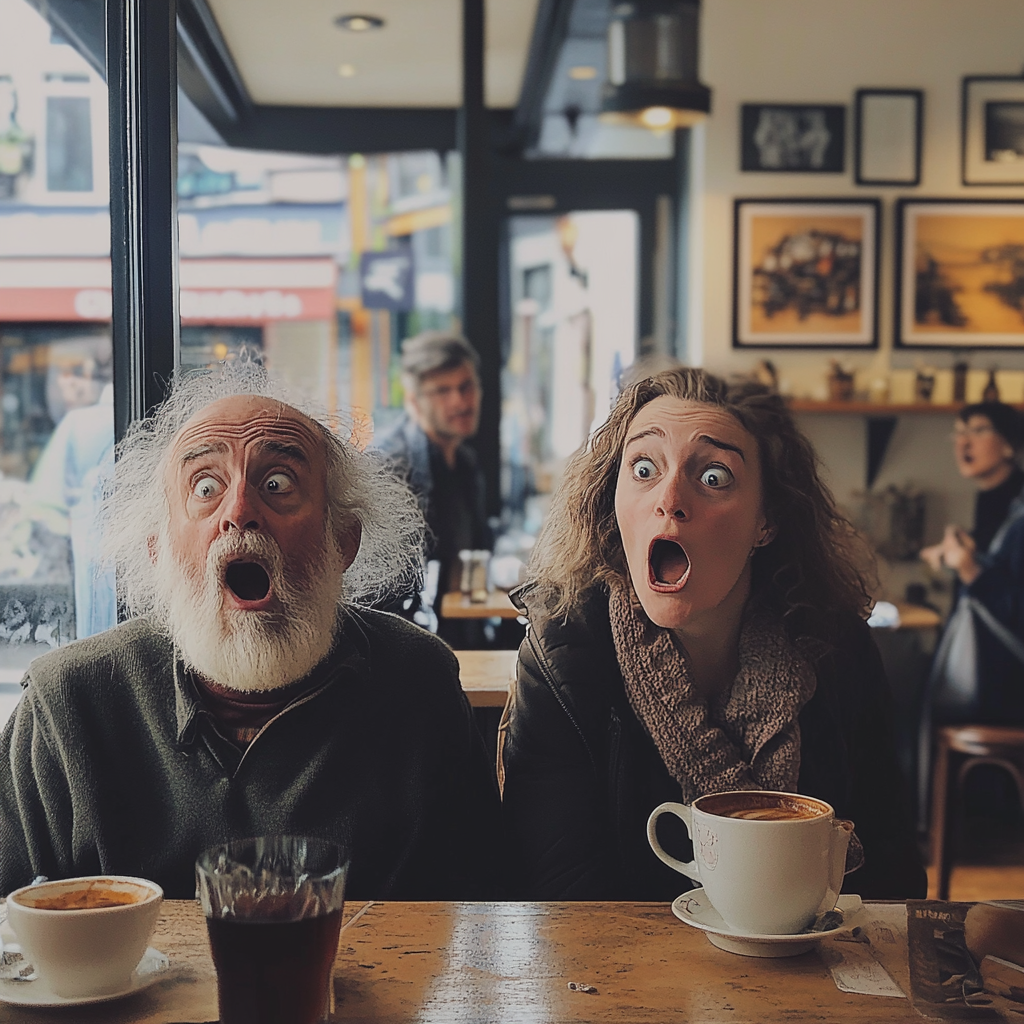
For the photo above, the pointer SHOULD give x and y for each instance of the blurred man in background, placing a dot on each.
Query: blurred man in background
(440, 376)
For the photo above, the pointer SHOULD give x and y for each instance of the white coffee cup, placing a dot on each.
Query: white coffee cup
(769, 871)
(85, 952)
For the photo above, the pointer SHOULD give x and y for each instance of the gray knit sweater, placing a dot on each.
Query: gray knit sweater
(111, 764)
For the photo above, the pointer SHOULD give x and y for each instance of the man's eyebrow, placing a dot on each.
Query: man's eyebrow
(288, 451)
(649, 432)
(214, 448)
(724, 445)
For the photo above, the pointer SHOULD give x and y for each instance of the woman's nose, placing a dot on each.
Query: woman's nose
(671, 500)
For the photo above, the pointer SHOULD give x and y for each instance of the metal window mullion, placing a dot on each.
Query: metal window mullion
(142, 83)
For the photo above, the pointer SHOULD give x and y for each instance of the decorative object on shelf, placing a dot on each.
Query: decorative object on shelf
(792, 137)
(805, 273)
(959, 273)
(992, 130)
(991, 392)
(893, 520)
(887, 136)
(924, 383)
(840, 383)
(766, 374)
(960, 369)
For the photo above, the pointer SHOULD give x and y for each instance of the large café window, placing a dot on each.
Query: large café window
(318, 265)
(56, 412)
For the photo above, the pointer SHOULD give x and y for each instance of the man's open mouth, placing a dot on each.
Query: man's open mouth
(248, 581)
(668, 565)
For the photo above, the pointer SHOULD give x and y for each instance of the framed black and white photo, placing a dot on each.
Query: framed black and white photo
(792, 138)
(992, 130)
(805, 273)
(960, 273)
(887, 136)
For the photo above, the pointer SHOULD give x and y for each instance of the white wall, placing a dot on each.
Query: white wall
(822, 51)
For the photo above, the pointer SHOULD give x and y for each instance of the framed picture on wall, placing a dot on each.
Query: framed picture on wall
(793, 138)
(805, 273)
(888, 126)
(992, 130)
(960, 273)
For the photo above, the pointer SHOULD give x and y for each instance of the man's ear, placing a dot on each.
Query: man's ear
(412, 409)
(348, 543)
(767, 536)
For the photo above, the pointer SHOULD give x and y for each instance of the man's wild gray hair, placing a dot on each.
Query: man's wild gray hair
(360, 489)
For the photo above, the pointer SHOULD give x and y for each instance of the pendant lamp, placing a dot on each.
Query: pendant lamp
(652, 65)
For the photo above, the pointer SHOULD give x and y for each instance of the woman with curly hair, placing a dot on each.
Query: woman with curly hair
(696, 624)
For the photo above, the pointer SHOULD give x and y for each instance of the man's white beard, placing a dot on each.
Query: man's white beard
(251, 650)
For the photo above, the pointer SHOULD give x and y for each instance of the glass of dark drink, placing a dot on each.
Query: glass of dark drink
(273, 912)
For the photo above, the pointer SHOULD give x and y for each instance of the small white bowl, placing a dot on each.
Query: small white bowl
(90, 952)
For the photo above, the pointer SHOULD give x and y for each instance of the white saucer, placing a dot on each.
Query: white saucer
(694, 908)
(37, 993)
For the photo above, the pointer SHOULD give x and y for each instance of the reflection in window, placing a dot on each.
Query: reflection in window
(56, 398)
(68, 144)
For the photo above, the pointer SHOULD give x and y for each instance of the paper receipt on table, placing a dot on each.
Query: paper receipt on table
(868, 963)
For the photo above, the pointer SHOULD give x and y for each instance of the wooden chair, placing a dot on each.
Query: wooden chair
(959, 748)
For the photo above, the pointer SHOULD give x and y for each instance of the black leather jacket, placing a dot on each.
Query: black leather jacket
(581, 775)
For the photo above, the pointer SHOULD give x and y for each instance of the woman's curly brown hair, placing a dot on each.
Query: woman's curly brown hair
(809, 572)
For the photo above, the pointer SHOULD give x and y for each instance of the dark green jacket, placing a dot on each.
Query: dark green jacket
(111, 764)
(581, 774)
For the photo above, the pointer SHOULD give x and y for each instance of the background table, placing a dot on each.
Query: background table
(485, 676)
(497, 606)
(453, 963)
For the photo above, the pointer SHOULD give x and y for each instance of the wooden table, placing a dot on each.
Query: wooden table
(497, 606)
(916, 616)
(485, 676)
(444, 963)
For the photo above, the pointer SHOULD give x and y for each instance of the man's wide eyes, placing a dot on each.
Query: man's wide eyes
(207, 487)
(279, 483)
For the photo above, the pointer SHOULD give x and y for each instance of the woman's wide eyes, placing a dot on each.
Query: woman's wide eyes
(715, 476)
(278, 483)
(207, 487)
(643, 469)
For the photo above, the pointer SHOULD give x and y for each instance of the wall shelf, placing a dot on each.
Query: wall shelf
(880, 423)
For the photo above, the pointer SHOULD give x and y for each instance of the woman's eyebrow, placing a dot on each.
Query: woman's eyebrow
(724, 445)
(649, 432)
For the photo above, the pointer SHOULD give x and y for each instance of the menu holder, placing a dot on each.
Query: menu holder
(967, 959)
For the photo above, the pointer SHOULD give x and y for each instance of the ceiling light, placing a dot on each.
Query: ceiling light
(652, 66)
(657, 117)
(346, 71)
(359, 22)
(582, 73)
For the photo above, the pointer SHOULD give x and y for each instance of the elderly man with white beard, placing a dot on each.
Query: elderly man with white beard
(249, 693)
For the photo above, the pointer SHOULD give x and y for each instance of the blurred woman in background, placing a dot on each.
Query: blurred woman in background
(696, 624)
(978, 673)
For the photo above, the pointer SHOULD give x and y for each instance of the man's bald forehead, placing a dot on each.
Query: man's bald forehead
(248, 419)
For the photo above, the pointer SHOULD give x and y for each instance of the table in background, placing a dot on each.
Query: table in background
(916, 616)
(498, 605)
(485, 676)
(455, 963)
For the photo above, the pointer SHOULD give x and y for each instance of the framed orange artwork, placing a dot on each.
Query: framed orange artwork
(960, 273)
(805, 273)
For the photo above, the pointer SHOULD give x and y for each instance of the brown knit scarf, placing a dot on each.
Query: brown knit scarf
(749, 737)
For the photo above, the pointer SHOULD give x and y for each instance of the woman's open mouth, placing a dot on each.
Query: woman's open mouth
(667, 566)
(249, 582)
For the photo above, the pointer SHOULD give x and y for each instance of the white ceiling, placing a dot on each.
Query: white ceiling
(288, 51)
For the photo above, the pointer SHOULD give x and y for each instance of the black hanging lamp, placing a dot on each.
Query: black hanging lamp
(652, 65)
